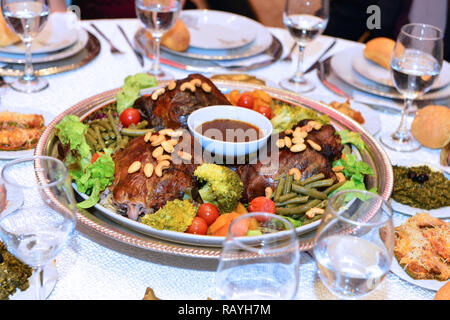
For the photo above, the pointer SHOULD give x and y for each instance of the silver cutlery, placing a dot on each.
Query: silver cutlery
(289, 55)
(113, 49)
(136, 53)
(316, 64)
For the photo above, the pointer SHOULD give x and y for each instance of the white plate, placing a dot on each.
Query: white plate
(378, 74)
(434, 285)
(9, 155)
(79, 45)
(59, 33)
(341, 63)
(262, 41)
(218, 30)
(50, 278)
(441, 213)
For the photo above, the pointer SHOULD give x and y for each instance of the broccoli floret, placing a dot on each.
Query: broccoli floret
(175, 215)
(223, 187)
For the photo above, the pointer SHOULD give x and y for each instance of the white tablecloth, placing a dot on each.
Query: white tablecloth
(87, 270)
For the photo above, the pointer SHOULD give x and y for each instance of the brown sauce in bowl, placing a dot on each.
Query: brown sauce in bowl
(230, 130)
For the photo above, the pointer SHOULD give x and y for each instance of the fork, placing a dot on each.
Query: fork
(289, 56)
(113, 49)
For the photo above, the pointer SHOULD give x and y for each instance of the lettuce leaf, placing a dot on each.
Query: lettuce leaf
(129, 92)
(353, 138)
(285, 117)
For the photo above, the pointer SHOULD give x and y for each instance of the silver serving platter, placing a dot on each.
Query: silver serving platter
(119, 236)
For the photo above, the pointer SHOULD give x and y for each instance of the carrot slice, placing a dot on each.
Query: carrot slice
(222, 220)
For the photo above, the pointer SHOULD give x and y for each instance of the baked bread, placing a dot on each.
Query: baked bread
(177, 38)
(379, 50)
(7, 37)
(431, 126)
(443, 293)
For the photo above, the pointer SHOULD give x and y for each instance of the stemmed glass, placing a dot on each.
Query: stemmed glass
(415, 64)
(305, 20)
(27, 19)
(158, 17)
(354, 243)
(37, 230)
(264, 266)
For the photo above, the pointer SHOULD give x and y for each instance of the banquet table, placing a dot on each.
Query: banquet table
(89, 270)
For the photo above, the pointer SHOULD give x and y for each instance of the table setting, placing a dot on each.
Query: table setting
(129, 194)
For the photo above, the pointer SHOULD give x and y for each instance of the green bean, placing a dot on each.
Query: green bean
(287, 196)
(105, 136)
(309, 192)
(142, 125)
(99, 137)
(90, 139)
(279, 189)
(320, 183)
(299, 209)
(91, 131)
(281, 176)
(332, 188)
(113, 125)
(313, 178)
(287, 184)
(100, 128)
(294, 201)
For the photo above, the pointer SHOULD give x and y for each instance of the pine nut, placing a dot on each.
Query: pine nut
(298, 147)
(314, 145)
(280, 143)
(135, 166)
(148, 170)
(184, 155)
(167, 146)
(157, 152)
(287, 142)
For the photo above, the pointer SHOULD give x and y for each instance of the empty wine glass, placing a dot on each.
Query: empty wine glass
(354, 243)
(415, 64)
(158, 17)
(27, 18)
(37, 231)
(305, 20)
(263, 266)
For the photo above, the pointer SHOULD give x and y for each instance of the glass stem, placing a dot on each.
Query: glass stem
(28, 74)
(402, 133)
(298, 76)
(156, 69)
(39, 273)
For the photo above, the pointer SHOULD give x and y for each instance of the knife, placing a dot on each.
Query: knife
(136, 53)
(316, 64)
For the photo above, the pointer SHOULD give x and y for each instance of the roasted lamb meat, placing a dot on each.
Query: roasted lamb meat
(256, 177)
(170, 108)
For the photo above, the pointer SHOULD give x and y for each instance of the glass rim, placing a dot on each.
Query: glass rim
(242, 244)
(33, 159)
(382, 200)
(423, 25)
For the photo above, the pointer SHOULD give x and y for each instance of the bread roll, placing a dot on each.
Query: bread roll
(443, 293)
(7, 37)
(379, 50)
(177, 38)
(431, 126)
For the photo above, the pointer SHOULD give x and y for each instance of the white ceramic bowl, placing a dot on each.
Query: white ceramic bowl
(229, 149)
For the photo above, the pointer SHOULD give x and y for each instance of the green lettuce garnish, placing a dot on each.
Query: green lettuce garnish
(286, 117)
(129, 92)
(353, 138)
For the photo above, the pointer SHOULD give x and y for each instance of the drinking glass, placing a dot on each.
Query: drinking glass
(415, 64)
(354, 243)
(36, 231)
(27, 18)
(264, 266)
(158, 17)
(305, 20)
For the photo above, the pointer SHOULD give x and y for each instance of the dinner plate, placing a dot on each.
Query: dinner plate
(262, 41)
(48, 117)
(58, 33)
(397, 269)
(80, 44)
(441, 213)
(218, 30)
(341, 63)
(378, 74)
(114, 233)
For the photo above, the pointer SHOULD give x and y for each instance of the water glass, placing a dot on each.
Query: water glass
(263, 266)
(354, 243)
(39, 227)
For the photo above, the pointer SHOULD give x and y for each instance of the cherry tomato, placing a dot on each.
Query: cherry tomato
(265, 111)
(198, 226)
(246, 101)
(208, 212)
(130, 116)
(96, 156)
(262, 204)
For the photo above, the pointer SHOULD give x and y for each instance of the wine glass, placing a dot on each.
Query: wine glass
(27, 18)
(354, 243)
(264, 266)
(158, 17)
(415, 64)
(36, 231)
(305, 20)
